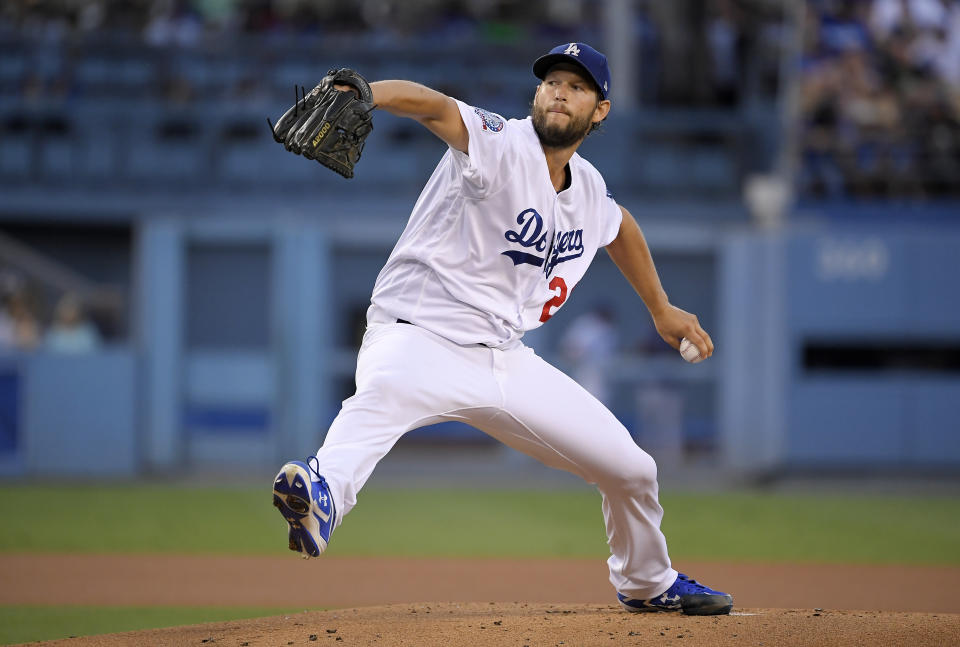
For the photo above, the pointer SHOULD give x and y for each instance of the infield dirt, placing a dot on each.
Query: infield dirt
(495, 624)
(382, 601)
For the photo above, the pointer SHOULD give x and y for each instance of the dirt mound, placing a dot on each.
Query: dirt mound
(444, 624)
(567, 601)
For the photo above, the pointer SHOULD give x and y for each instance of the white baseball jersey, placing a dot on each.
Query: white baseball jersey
(491, 249)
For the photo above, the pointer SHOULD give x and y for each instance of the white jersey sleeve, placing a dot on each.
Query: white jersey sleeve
(481, 163)
(611, 217)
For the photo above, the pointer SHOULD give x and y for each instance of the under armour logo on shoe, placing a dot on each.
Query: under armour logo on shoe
(322, 499)
(572, 50)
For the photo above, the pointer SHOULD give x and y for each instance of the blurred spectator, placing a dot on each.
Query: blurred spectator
(724, 46)
(589, 344)
(71, 331)
(887, 16)
(880, 98)
(721, 43)
(660, 421)
(173, 24)
(19, 328)
(726, 50)
(8, 333)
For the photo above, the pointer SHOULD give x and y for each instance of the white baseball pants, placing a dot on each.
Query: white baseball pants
(408, 377)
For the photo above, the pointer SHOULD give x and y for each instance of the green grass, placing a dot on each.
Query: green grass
(457, 523)
(814, 528)
(729, 526)
(28, 623)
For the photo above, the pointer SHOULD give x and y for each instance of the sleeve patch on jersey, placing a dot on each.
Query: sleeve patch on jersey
(489, 120)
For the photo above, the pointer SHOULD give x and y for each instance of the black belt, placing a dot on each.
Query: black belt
(403, 321)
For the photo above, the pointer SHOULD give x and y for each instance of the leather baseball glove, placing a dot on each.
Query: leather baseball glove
(329, 125)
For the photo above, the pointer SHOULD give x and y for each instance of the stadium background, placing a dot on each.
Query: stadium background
(182, 299)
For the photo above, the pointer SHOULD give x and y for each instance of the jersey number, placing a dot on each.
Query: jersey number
(556, 301)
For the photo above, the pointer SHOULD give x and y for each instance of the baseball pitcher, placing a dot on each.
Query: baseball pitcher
(502, 233)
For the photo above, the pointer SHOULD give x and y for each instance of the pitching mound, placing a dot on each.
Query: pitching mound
(446, 624)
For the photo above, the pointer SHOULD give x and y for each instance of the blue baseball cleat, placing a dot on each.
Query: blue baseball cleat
(686, 595)
(307, 507)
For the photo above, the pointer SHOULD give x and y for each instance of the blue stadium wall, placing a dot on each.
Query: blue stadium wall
(837, 348)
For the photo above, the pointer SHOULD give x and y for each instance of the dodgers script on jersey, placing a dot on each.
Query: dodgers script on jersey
(491, 250)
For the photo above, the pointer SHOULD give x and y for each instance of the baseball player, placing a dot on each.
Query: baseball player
(501, 234)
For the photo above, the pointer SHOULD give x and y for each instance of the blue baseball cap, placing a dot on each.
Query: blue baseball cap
(592, 61)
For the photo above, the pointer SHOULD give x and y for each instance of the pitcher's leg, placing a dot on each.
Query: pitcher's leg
(638, 562)
(359, 437)
(314, 496)
(406, 378)
(552, 418)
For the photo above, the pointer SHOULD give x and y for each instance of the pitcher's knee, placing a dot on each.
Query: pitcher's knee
(634, 472)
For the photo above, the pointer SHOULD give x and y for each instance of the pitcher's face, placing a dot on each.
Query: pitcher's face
(566, 106)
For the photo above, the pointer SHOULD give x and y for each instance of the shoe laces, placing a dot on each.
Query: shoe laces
(314, 464)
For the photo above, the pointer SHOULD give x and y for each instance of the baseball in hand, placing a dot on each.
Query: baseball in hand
(689, 351)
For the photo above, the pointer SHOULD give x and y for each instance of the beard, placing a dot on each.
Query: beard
(556, 136)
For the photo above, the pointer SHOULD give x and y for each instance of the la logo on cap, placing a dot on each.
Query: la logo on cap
(572, 50)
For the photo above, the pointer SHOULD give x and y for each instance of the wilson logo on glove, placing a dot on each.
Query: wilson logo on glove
(329, 125)
(323, 133)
